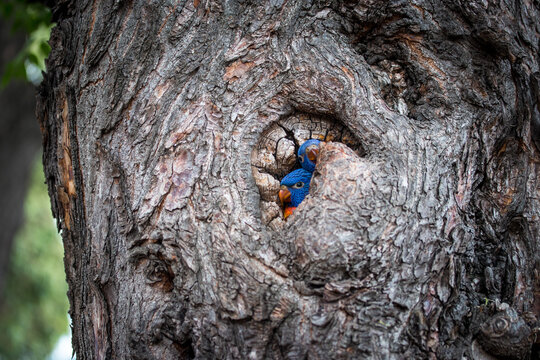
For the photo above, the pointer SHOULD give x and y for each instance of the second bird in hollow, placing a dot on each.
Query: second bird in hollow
(307, 154)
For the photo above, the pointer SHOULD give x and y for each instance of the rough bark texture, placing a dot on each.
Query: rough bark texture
(419, 238)
(19, 144)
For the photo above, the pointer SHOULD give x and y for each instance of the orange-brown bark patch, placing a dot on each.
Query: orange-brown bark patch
(66, 190)
(237, 69)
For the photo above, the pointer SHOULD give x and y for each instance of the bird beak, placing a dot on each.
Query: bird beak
(288, 211)
(312, 153)
(284, 195)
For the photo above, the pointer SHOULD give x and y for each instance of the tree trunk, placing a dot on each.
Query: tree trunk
(168, 124)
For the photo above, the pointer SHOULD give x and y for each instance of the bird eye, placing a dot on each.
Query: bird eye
(298, 185)
(301, 158)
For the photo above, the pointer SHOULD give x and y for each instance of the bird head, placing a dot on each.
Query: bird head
(307, 154)
(294, 188)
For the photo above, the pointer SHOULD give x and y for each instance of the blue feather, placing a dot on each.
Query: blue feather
(302, 156)
(297, 182)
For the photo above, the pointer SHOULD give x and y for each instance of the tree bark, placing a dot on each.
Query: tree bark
(167, 126)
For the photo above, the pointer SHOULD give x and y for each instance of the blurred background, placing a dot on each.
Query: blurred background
(34, 320)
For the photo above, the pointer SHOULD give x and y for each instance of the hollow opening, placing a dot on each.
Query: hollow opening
(275, 154)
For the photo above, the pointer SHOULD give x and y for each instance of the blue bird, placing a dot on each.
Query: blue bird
(307, 154)
(294, 188)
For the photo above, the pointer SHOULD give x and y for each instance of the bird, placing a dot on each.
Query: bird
(293, 189)
(307, 154)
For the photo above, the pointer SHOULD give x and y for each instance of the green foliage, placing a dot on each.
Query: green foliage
(35, 20)
(33, 313)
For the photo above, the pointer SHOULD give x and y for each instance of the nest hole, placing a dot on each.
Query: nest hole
(275, 154)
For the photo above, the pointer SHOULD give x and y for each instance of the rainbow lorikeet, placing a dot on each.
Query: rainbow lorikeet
(294, 188)
(307, 154)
